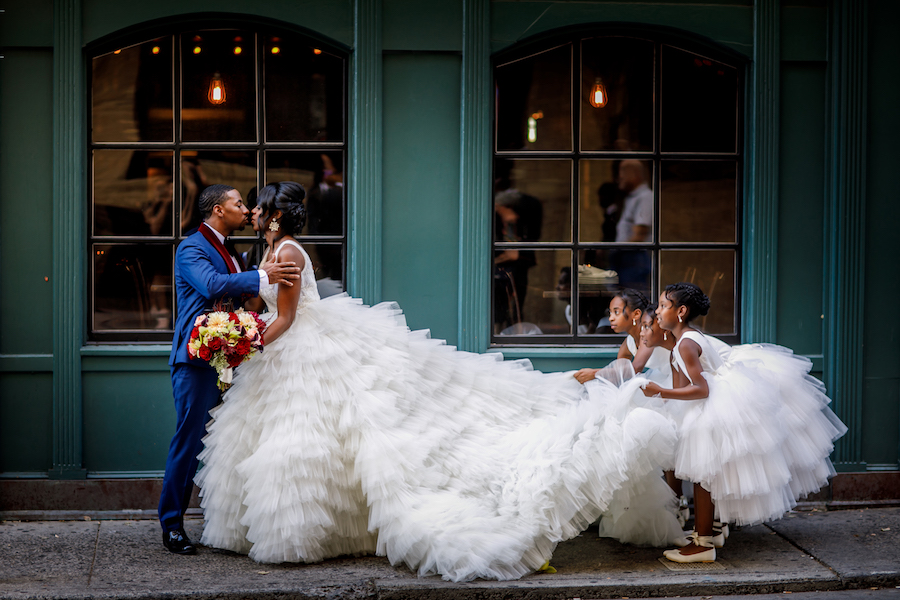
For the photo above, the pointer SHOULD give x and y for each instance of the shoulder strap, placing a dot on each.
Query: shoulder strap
(292, 242)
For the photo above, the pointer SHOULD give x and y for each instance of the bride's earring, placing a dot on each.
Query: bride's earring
(273, 225)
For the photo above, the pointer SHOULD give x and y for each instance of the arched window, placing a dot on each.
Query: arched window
(171, 114)
(617, 163)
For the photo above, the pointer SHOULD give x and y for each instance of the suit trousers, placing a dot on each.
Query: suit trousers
(195, 394)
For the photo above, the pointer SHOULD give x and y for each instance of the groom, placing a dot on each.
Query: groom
(204, 273)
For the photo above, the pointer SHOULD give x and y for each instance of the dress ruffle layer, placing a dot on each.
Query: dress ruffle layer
(761, 440)
(351, 434)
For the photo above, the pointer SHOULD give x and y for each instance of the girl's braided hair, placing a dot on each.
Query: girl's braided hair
(689, 295)
(633, 299)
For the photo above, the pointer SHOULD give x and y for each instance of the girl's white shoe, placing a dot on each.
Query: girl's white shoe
(704, 541)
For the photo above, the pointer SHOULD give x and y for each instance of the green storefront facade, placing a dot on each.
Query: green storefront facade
(817, 207)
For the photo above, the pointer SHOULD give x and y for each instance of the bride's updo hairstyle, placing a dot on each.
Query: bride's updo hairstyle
(689, 295)
(286, 196)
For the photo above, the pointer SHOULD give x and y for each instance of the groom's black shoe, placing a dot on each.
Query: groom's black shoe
(177, 542)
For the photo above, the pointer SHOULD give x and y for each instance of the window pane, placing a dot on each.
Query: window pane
(131, 94)
(320, 173)
(624, 67)
(699, 103)
(698, 201)
(532, 200)
(228, 115)
(200, 169)
(304, 91)
(601, 274)
(534, 102)
(527, 293)
(616, 201)
(132, 287)
(132, 193)
(714, 272)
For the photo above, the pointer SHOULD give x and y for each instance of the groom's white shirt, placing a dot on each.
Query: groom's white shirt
(263, 278)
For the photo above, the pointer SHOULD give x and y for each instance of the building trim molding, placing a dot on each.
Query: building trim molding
(364, 251)
(845, 223)
(760, 260)
(68, 239)
(475, 179)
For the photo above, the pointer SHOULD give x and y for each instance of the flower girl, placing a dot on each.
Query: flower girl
(757, 431)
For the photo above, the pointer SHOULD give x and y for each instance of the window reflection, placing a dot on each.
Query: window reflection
(321, 174)
(534, 102)
(201, 168)
(208, 54)
(532, 200)
(530, 297)
(698, 201)
(303, 92)
(132, 287)
(616, 201)
(625, 67)
(131, 99)
(132, 193)
(602, 272)
(699, 103)
(714, 272)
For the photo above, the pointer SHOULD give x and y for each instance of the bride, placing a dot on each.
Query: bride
(351, 434)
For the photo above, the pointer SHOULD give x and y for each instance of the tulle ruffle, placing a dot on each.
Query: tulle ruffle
(350, 434)
(761, 440)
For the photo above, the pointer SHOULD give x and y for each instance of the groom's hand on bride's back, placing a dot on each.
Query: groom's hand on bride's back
(282, 272)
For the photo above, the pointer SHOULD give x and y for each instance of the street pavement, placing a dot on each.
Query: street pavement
(812, 554)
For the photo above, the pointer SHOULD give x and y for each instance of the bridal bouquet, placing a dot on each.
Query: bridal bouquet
(225, 339)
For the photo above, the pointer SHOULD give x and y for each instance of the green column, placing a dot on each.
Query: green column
(68, 239)
(761, 225)
(364, 218)
(845, 224)
(475, 179)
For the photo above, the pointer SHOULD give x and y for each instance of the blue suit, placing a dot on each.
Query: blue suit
(201, 279)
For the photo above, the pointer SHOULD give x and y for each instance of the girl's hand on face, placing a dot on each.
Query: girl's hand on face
(585, 375)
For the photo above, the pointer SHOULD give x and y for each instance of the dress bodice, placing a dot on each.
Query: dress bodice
(309, 292)
(631, 345)
(710, 358)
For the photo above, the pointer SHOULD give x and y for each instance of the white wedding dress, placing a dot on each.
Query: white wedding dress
(352, 434)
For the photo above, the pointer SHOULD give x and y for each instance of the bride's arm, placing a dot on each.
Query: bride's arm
(288, 297)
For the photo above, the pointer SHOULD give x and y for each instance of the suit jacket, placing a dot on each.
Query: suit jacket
(202, 279)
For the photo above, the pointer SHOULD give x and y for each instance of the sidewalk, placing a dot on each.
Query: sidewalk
(805, 551)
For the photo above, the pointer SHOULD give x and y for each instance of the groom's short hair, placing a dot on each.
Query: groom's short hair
(211, 197)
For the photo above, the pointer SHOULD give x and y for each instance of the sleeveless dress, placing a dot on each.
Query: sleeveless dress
(351, 434)
(761, 440)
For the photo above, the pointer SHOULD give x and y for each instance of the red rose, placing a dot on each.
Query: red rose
(215, 344)
(244, 347)
(195, 332)
(234, 360)
(205, 353)
(233, 317)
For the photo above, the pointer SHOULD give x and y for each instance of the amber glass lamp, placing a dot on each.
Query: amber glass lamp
(599, 97)
(216, 94)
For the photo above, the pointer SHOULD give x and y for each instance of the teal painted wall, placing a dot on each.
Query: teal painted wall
(881, 353)
(129, 425)
(727, 22)
(421, 189)
(127, 407)
(26, 247)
